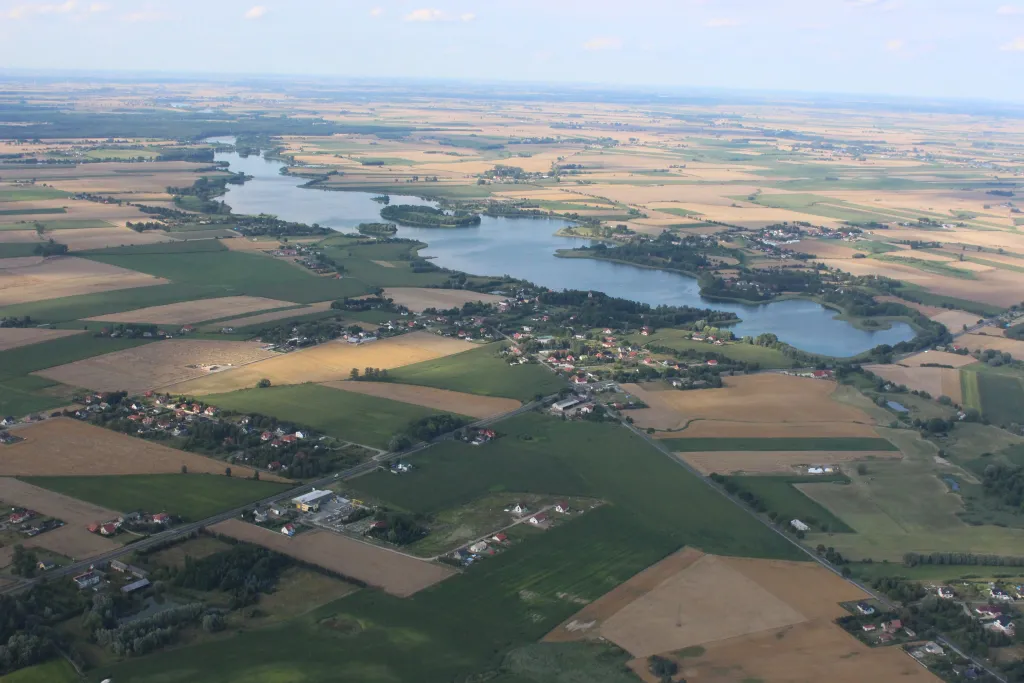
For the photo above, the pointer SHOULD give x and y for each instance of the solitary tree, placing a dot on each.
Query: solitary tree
(227, 471)
(263, 383)
(184, 469)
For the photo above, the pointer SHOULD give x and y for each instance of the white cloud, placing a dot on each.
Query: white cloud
(256, 12)
(468, 16)
(425, 14)
(97, 7)
(1014, 46)
(23, 11)
(377, 12)
(722, 22)
(144, 16)
(1010, 10)
(603, 43)
(895, 45)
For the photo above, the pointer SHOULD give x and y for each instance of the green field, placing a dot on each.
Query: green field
(29, 193)
(54, 671)
(997, 393)
(354, 417)
(481, 371)
(780, 495)
(191, 496)
(16, 249)
(70, 224)
(477, 623)
(31, 212)
(747, 353)
(209, 265)
(820, 205)
(847, 443)
(919, 295)
(933, 572)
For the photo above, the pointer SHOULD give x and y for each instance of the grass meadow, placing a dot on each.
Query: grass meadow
(481, 371)
(747, 353)
(190, 496)
(54, 671)
(367, 420)
(780, 495)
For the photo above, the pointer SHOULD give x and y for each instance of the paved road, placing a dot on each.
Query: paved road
(185, 529)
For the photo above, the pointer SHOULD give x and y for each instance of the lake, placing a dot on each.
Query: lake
(525, 248)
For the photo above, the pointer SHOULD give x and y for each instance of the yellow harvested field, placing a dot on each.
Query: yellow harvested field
(955, 320)
(971, 266)
(746, 430)
(955, 360)
(102, 238)
(394, 572)
(773, 462)
(18, 237)
(990, 341)
(826, 248)
(156, 365)
(767, 398)
(195, 311)
(13, 337)
(763, 620)
(936, 381)
(66, 447)
(439, 399)
(261, 318)
(65, 276)
(73, 539)
(329, 362)
(418, 298)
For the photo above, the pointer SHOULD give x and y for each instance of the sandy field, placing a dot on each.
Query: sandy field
(774, 462)
(705, 602)
(195, 311)
(439, 399)
(157, 365)
(938, 358)
(72, 540)
(391, 571)
(936, 381)
(741, 430)
(329, 362)
(955, 320)
(418, 298)
(13, 337)
(101, 238)
(64, 446)
(261, 318)
(990, 341)
(765, 398)
(19, 236)
(66, 276)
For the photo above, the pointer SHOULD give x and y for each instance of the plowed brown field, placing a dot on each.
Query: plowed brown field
(195, 311)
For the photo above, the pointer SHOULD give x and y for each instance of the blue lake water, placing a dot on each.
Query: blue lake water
(525, 248)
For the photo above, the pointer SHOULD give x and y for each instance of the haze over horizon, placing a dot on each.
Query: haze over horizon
(921, 48)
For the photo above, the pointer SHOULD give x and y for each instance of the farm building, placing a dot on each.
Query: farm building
(288, 530)
(538, 519)
(799, 526)
(134, 586)
(310, 502)
(86, 580)
(564, 405)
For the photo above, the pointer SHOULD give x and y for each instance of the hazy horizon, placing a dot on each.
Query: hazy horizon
(961, 49)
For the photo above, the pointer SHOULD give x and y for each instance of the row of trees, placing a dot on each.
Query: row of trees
(962, 559)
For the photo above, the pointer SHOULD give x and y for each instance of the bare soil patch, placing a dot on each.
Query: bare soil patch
(329, 362)
(66, 276)
(73, 540)
(66, 447)
(706, 602)
(419, 298)
(990, 341)
(766, 398)
(13, 337)
(774, 462)
(195, 311)
(439, 399)
(156, 365)
(391, 571)
(261, 318)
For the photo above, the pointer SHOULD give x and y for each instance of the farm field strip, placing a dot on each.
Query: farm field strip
(438, 399)
(195, 311)
(395, 573)
(63, 276)
(417, 299)
(780, 444)
(260, 318)
(13, 337)
(774, 462)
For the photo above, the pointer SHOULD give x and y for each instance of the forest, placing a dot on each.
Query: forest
(428, 216)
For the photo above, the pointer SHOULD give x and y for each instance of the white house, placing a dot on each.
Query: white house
(799, 526)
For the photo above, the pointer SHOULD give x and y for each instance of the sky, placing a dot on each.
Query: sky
(932, 48)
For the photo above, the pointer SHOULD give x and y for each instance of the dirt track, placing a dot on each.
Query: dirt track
(395, 573)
